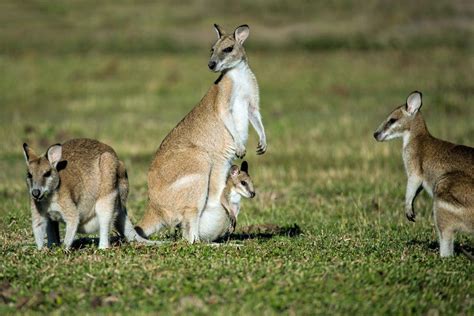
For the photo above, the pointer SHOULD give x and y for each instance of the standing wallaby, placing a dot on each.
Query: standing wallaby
(81, 183)
(217, 222)
(444, 170)
(189, 170)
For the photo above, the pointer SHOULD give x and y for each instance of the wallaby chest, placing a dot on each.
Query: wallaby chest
(244, 92)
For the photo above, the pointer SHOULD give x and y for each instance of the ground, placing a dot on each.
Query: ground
(329, 232)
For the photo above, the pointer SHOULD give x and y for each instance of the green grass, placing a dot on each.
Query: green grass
(323, 171)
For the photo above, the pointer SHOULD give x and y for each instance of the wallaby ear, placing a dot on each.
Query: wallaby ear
(29, 153)
(241, 33)
(234, 171)
(219, 31)
(244, 167)
(414, 102)
(54, 154)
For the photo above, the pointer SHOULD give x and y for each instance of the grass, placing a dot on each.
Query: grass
(356, 252)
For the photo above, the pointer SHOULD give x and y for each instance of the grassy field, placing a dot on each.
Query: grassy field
(333, 237)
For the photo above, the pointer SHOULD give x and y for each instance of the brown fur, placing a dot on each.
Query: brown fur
(444, 169)
(234, 185)
(189, 169)
(86, 188)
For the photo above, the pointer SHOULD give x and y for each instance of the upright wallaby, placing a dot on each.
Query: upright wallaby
(217, 222)
(189, 170)
(81, 183)
(444, 170)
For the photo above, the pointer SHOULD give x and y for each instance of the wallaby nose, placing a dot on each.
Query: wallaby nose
(376, 135)
(36, 193)
(252, 195)
(211, 65)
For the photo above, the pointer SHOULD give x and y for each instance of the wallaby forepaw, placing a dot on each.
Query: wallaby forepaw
(233, 224)
(261, 148)
(410, 216)
(240, 153)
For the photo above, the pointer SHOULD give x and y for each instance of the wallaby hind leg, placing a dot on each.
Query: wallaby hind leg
(105, 208)
(109, 197)
(453, 208)
(197, 200)
(443, 219)
(190, 225)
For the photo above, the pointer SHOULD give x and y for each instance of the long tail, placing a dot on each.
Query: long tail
(124, 224)
(122, 182)
(467, 254)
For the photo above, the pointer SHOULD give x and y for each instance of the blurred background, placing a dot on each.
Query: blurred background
(125, 72)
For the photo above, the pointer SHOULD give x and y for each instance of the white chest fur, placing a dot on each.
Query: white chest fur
(244, 92)
(235, 202)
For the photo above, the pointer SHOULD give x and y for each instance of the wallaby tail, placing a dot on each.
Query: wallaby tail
(122, 183)
(124, 224)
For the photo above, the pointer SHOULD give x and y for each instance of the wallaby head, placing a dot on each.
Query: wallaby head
(228, 51)
(42, 175)
(401, 120)
(241, 181)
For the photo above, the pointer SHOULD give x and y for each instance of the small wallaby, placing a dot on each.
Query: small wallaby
(189, 170)
(81, 183)
(445, 170)
(217, 222)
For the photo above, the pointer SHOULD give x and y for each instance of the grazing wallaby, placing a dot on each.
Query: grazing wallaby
(189, 170)
(217, 222)
(443, 169)
(81, 183)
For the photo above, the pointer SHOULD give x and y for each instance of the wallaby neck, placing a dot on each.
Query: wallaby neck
(242, 69)
(228, 187)
(417, 131)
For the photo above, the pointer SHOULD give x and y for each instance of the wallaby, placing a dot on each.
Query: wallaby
(217, 222)
(443, 169)
(81, 183)
(189, 170)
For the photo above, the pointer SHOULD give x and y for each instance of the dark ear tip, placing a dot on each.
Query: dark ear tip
(245, 25)
(25, 145)
(216, 26)
(58, 144)
(416, 91)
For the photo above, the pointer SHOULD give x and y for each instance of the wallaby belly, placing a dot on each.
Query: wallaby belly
(214, 223)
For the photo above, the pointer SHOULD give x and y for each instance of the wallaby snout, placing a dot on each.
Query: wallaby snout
(212, 65)
(376, 136)
(228, 51)
(36, 194)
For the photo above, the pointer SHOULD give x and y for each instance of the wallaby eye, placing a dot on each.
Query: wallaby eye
(29, 175)
(228, 49)
(47, 174)
(391, 121)
(243, 183)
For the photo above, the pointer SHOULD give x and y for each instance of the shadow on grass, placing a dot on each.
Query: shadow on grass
(433, 246)
(263, 231)
(86, 242)
(259, 231)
